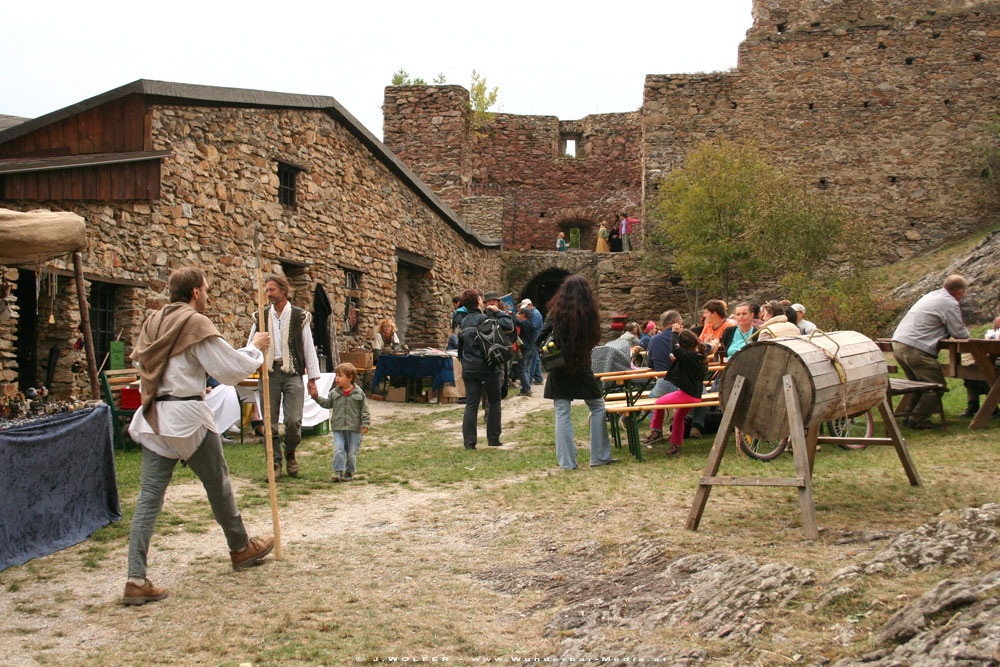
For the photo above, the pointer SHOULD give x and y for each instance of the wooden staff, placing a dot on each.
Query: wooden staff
(265, 408)
(88, 336)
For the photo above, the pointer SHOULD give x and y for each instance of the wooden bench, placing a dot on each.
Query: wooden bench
(910, 391)
(112, 382)
(630, 409)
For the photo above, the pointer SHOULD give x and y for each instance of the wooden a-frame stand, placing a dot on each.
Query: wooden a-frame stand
(803, 450)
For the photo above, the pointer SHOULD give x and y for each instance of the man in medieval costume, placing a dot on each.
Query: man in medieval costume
(178, 348)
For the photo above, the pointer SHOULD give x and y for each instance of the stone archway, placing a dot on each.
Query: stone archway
(542, 287)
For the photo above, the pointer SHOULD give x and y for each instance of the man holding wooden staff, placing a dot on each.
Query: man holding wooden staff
(293, 356)
(178, 348)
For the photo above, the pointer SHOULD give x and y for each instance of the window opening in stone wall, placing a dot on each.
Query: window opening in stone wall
(569, 145)
(977, 57)
(935, 35)
(781, 27)
(102, 318)
(909, 61)
(286, 184)
(881, 45)
(826, 54)
(352, 306)
(866, 104)
(574, 237)
(823, 184)
(894, 179)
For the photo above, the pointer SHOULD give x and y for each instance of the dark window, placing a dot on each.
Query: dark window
(352, 308)
(102, 318)
(286, 184)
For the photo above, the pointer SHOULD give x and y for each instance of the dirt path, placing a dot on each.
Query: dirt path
(56, 611)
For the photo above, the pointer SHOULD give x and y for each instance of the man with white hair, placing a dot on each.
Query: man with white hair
(934, 316)
(536, 323)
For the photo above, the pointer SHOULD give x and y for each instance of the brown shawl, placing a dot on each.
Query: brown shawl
(168, 332)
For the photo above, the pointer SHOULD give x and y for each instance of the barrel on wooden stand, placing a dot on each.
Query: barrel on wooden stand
(836, 375)
(789, 386)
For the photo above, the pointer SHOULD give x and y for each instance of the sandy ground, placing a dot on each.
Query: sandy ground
(54, 610)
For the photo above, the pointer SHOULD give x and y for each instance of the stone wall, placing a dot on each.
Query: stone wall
(885, 114)
(220, 181)
(521, 160)
(621, 283)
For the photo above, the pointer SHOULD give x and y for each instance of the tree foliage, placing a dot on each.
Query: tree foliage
(729, 216)
(481, 100)
(402, 78)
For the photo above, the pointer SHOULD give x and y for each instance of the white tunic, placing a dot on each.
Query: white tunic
(183, 424)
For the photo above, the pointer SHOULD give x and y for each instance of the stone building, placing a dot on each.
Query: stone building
(171, 174)
(881, 103)
(522, 178)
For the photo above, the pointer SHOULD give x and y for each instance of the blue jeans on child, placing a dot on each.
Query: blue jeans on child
(600, 444)
(345, 450)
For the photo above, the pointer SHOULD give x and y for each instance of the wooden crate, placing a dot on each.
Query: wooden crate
(359, 359)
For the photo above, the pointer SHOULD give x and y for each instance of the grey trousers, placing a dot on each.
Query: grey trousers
(209, 464)
(286, 391)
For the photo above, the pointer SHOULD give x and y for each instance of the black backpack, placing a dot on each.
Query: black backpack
(497, 350)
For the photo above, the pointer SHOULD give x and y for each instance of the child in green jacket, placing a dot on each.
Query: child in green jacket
(348, 420)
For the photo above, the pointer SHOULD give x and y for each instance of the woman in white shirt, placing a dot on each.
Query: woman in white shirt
(385, 337)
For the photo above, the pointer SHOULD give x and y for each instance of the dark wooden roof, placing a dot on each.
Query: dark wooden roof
(195, 95)
(19, 165)
(10, 121)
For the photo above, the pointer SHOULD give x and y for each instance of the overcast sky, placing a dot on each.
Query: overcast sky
(561, 59)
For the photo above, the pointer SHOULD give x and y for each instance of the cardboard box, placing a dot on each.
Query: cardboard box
(360, 359)
(459, 383)
(449, 391)
(396, 394)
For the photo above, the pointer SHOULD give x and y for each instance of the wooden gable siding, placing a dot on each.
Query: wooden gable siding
(120, 126)
(132, 180)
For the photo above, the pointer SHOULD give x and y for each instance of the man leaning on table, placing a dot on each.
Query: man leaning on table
(934, 316)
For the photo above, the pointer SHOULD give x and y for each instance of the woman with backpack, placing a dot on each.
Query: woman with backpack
(482, 370)
(574, 324)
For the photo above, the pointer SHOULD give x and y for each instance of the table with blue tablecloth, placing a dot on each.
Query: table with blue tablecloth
(57, 483)
(438, 368)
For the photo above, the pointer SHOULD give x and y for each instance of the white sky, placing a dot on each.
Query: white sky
(562, 59)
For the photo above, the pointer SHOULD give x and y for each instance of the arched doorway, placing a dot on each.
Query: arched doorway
(542, 287)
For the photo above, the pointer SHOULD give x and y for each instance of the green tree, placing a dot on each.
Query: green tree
(440, 78)
(729, 216)
(402, 78)
(481, 100)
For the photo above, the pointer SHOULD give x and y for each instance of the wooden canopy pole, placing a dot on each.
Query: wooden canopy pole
(265, 408)
(88, 336)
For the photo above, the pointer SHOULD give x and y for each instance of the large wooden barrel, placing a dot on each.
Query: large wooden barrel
(835, 374)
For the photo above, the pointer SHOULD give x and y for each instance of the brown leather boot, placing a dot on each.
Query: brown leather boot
(249, 555)
(292, 467)
(277, 472)
(143, 594)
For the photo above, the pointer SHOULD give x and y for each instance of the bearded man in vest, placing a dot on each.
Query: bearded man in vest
(291, 355)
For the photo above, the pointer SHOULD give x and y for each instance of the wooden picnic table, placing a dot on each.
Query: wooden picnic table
(984, 354)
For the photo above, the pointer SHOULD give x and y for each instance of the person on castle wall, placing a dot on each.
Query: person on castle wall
(561, 244)
(292, 356)
(602, 238)
(615, 236)
(177, 349)
(625, 223)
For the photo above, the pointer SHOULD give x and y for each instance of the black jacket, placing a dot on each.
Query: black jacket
(470, 352)
(726, 339)
(687, 371)
(569, 383)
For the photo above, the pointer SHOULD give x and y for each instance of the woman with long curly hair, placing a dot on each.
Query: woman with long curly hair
(575, 321)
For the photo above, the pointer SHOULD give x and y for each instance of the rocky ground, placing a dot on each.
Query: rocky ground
(565, 580)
